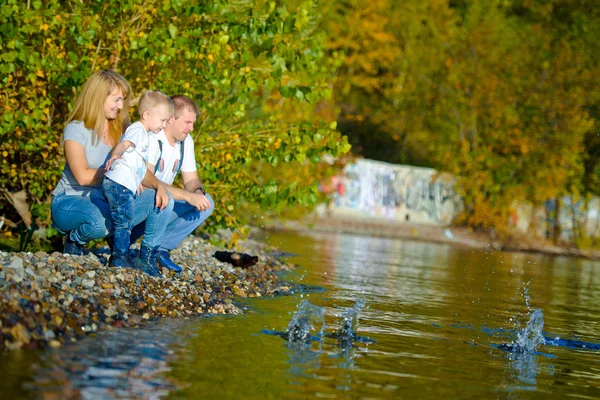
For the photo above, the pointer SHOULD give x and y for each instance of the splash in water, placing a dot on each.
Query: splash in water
(304, 321)
(346, 334)
(347, 331)
(531, 337)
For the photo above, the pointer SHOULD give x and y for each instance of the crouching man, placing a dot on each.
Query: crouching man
(172, 151)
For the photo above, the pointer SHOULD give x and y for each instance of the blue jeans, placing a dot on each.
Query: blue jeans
(185, 218)
(85, 218)
(120, 201)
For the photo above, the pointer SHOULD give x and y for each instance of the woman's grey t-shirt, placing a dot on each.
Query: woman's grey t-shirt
(96, 156)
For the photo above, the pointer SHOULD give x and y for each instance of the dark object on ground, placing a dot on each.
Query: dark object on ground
(236, 259)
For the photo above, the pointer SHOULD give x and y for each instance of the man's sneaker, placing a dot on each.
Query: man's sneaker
(164, 260)
(72, 247)
(146, 261)
(120, 261)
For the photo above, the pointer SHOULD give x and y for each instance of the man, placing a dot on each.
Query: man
(171, 151)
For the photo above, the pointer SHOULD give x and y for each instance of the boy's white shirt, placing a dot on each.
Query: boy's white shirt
(167, 170)
(129, 170)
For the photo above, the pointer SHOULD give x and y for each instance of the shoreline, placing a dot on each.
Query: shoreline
(453, 235)
(48, 300)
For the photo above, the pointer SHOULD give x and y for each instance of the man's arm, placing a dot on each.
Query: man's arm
(162, 194)
(193, 185)
(190, 194)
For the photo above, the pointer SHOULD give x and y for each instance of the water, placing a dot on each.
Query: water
(416, 320)
(302, 324)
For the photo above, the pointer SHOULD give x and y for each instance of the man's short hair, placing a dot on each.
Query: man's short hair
(154, 98)
(183, 103)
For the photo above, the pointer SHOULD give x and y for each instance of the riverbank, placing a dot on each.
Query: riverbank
(47, 300)
(453, 235)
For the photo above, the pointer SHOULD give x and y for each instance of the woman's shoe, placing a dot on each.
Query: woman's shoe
(72, 247)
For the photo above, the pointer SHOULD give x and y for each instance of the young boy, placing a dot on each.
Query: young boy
(125, 170)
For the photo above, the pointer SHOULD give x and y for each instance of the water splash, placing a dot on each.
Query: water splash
(349, 324)
(531, 337)
(304, 321)
(346, 334)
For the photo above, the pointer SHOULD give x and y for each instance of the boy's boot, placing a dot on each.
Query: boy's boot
(120, 261)
(164, 260)
(119, 246)
(146, 261)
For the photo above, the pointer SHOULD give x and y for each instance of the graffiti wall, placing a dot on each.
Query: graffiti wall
(576, 219)
(400, 193)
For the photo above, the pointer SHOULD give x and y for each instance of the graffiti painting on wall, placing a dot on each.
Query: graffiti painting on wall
(396, 192)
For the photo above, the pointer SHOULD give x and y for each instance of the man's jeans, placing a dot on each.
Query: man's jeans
(185, 218)
(88, 218)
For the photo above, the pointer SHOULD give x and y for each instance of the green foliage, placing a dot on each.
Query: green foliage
(247, 63)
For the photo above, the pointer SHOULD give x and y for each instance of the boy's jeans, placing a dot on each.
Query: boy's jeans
(120, 200)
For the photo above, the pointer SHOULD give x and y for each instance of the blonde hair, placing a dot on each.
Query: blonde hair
(89, 106)
(151, 99)
(183, 103)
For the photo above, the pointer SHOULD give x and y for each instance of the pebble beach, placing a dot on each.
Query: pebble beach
(48, 300)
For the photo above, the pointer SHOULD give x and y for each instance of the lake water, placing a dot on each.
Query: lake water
(437, 314)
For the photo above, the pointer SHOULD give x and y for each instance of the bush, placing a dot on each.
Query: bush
(257, 71)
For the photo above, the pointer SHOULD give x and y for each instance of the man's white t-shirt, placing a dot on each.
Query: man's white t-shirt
(170, 159)
(129, 170)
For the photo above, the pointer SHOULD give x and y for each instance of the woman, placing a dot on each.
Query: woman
(79, 208)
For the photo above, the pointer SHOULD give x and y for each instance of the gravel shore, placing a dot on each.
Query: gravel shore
(52, 299)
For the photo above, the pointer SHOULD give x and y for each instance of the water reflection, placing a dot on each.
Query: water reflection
(410, 272)
(123, 364)
(435, 312)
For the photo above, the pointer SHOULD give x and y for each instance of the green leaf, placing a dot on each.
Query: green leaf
(172, 31)
(287, 91)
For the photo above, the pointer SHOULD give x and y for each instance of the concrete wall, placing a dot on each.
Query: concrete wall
(400, 193)
(573, 216)
(373, 189)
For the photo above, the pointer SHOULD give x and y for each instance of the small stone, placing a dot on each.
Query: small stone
(16, 263)
(110, 312)
(88, 283)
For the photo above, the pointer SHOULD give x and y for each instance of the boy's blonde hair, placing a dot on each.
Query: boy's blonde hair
(152, 99)
(89, 106)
